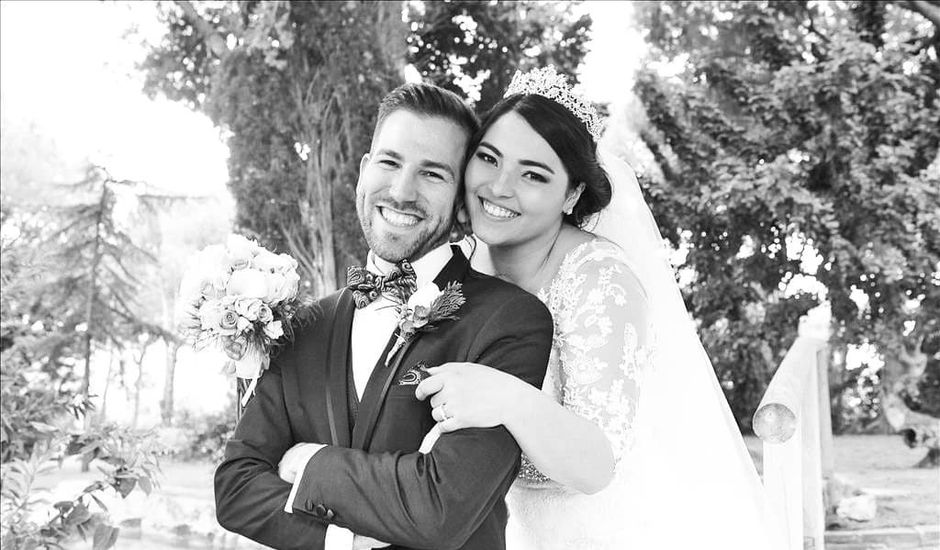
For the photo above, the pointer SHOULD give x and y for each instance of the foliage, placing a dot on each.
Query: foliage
(794, 144)
(31, 411)
(131, 463)
(85, 285)
(66, 284)
(856, 400)
(454, 44)
(925, 395)
(201, 437)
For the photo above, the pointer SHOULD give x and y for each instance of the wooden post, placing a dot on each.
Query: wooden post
(793, 420)
(814, 513)
(825, 414)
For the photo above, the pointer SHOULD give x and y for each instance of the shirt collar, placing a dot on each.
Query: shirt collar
(426, 267)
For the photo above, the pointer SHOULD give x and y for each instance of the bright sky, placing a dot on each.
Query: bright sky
(77, 82)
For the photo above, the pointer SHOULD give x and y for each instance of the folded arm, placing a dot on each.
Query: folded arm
(249, 494)
(437, 499)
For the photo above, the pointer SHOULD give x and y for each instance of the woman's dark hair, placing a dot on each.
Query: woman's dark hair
(570, 140)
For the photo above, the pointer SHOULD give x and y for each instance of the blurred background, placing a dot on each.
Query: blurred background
(789, 151)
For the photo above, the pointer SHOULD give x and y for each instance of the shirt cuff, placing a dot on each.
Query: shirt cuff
(289, 506)
(430, 439)
(338, 538)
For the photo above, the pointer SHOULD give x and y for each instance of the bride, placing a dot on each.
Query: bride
(630, 442)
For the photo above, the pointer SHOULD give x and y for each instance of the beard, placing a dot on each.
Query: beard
(410, 243)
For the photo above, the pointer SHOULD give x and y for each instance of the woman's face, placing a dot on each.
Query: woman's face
(516, 186)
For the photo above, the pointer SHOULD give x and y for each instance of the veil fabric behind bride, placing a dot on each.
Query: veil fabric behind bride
(690, 481)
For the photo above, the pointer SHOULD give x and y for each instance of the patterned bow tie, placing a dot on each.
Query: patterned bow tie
(366, 286)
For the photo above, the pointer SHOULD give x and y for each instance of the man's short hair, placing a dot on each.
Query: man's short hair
(428, 100)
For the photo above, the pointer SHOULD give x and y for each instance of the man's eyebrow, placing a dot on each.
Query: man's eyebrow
(438, 166)
(389, 153)
(522, 162)
(424, 163)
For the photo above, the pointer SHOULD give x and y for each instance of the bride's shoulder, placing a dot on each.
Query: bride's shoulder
(595, 253)
(599, 261)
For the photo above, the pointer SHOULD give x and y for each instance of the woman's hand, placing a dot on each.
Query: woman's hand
(468, 395)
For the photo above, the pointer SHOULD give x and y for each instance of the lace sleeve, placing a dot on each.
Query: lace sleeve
(605, 348)
(604, 345)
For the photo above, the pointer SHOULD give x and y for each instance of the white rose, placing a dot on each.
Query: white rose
(205, 275)
(228, 323)
(249, 308)
(248, 283)
(287, 263)
(240, 251)
(266, 261)
(275, 287)
(424, 296)
(274, 330)
(281, 287)
(292, 283)
(265, 315)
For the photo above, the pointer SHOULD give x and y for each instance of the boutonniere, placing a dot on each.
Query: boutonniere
(427, 307)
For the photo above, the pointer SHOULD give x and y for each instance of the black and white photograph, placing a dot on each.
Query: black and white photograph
(469, 275)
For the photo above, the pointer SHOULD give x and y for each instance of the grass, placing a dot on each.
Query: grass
(181, 512)
(881, 465)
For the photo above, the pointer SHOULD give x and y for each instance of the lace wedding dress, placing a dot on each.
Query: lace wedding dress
(601, 353)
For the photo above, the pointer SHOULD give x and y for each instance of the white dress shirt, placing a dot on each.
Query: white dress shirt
(372, 326)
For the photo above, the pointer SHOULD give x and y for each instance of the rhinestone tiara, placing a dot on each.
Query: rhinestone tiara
(548, 83)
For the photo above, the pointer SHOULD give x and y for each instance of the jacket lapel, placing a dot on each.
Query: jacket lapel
(337, 406)
(373, 399)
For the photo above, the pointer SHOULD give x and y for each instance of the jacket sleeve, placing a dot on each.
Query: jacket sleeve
(249, 495)
(438, 499)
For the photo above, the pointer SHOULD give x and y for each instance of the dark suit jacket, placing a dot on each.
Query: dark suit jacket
(370, 478)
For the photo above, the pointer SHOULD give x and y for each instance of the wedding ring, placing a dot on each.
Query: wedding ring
(444, 414)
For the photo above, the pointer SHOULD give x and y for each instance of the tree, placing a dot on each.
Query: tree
(93, 279)
(40, 391)
(467, 44)
(795, 143)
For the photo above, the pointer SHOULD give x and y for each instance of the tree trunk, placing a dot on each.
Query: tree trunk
(90, 307)
(103, 411)
(166, 404)
(139, 383)
(317, 215)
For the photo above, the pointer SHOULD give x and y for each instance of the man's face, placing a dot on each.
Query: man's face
(408, 183)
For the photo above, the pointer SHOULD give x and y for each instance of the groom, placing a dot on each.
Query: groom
(344, 406)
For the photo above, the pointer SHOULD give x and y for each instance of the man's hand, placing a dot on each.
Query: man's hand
(295, 460)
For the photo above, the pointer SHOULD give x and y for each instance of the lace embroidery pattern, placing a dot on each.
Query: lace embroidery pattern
(602, 344)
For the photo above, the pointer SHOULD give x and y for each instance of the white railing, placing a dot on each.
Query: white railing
(794, 423)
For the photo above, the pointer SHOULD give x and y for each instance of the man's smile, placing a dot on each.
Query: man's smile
(398, 218)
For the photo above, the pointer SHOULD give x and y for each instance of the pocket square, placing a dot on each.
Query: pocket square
(414, 375)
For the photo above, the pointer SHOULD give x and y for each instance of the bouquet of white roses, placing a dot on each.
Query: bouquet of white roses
(240, 297)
